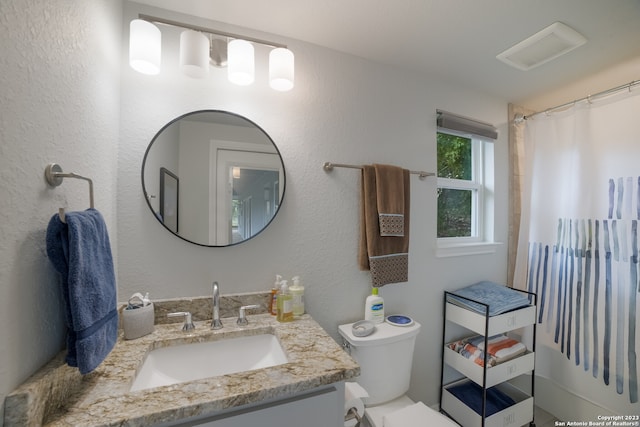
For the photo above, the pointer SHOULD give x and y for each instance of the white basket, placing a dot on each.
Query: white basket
(138, 322)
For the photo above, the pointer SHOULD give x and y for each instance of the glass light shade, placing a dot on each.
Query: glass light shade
(241, 62)
(145, 48)
(194, 54)
(281, 69)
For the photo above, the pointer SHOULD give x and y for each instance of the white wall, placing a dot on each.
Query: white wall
(59, 102)
(193, 170)
(343, 109)
(607, 78)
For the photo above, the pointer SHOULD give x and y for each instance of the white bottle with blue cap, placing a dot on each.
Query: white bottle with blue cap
(374, 307)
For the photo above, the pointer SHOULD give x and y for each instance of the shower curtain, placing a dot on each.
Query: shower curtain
(578, 246)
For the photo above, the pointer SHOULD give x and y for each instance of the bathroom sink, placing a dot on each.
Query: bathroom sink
(188, 362)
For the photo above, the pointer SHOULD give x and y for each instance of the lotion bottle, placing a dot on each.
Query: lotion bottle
(297, 296)
(284, 304)
(374, 307)
(273, 307)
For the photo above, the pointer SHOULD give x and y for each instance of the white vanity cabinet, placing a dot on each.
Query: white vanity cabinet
(322, 407)
(498, 376)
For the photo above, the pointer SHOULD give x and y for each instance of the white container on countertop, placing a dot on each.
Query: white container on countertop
(297, 295)
(138, 317)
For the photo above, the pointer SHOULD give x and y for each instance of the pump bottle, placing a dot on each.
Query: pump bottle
(273, 307)
(297, 296)
(284, 304)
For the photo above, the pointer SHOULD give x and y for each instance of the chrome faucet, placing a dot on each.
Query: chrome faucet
(215, 322)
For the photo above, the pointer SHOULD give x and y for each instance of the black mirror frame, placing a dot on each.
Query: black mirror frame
(147, 196)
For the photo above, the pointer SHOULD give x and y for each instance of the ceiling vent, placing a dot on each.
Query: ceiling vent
(555, 40)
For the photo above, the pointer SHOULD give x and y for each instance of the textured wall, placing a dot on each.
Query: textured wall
(343, 109)
(59, 102)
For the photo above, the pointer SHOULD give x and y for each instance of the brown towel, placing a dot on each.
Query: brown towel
(390, 199)
(386, 256)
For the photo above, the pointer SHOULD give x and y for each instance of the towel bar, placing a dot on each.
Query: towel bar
(54, 176)
(328, 166)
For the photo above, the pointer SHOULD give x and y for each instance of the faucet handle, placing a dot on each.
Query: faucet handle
(242, 318)
(188, 323)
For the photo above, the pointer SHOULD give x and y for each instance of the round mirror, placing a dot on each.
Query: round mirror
(213, 178)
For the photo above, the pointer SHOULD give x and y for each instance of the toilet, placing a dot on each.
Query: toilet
(385, 359)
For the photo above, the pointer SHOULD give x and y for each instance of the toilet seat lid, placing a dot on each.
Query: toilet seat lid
(417, 415)
(383, 334)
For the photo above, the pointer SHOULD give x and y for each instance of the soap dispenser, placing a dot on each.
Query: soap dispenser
(273, 308)
(284, 304)
(297, 296)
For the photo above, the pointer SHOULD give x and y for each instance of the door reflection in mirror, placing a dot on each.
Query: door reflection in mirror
(241, 202)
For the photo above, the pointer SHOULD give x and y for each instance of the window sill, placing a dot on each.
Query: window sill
(464, 249)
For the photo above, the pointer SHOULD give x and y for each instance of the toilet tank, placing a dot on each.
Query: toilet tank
(385, 358)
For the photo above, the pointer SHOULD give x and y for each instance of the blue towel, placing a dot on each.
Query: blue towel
(80, 251)
(471, 394)
(499, 298)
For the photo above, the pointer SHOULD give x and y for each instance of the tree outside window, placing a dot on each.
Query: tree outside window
(458, 186)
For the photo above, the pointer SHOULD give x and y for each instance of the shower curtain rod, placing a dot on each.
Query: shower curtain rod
(520, 117)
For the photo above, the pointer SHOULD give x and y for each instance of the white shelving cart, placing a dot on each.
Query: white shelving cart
(521, 412)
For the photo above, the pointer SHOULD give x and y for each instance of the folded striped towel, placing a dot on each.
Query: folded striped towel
(501, 347)
(471, 352)
(476, 355)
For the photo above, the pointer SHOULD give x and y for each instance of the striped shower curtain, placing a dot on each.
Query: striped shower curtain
(578, 246)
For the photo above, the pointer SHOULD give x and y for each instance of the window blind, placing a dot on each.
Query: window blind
(458, 123)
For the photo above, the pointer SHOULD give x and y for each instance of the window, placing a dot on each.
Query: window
(459, 186)
(465, 182)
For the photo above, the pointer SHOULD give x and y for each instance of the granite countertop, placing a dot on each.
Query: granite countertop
(102, 398)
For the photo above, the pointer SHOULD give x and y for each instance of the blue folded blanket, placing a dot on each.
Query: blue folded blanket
(470, 394)
(499, 298)
(80, 251)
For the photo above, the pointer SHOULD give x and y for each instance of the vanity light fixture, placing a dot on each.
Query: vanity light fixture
(144, 47)
(281, 69)
(241, 62)
(218, 51)
(194, 54)
(222, 49)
